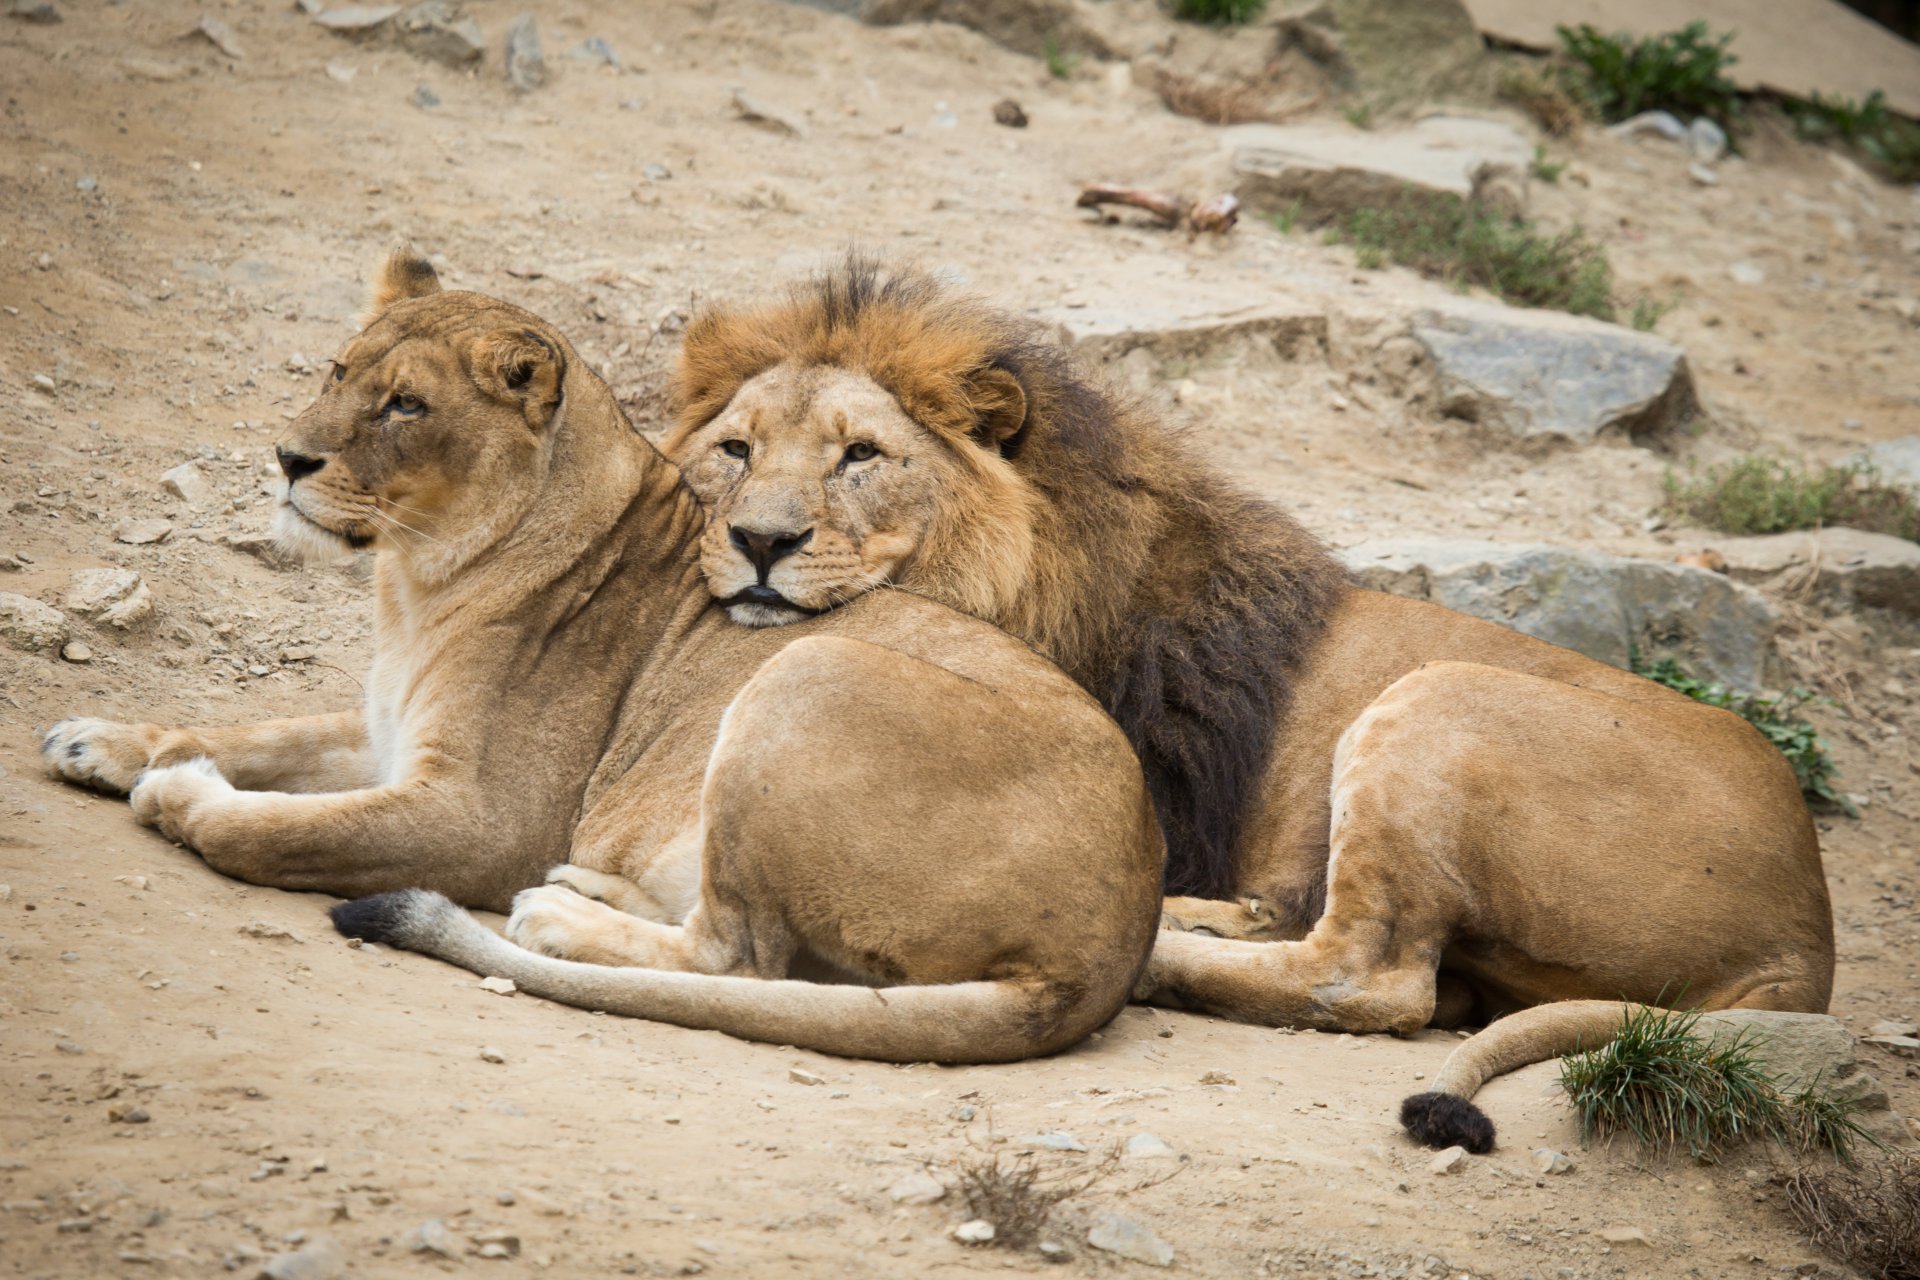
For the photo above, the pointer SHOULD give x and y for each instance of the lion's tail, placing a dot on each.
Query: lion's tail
(958, 1022)
(1445, 1115)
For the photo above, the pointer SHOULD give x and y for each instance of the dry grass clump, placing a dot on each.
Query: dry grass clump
(1543, 95)
(1867, 1217)
(1226, 101)
(1018, 1196)
(1755, 495)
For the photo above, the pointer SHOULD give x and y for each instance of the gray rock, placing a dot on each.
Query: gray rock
(38, 11)
(117, 597)
(77, 651)
(1449, 1161)
(431, 1236)
(439, 31)
(1801, 1049)
(1704, 175)
(1025, 26)
(1055, 1141)
(425, 98)
(1706, 140)
(1326, 172)
(1389, 51)
(30, 626)
(654, 171)
(526, 63)
(188, 483)
(1534, 373)
(1128, 1239)
(1897, 460)
(1547, 1160)
(220, 36)
(140, 533)
(1661, 124)
(1150, 1146)
(767, 116)
(321, 1258)
(595, 49)
(358, 19)
(1845, 567)
(1603, 606)
(1188, 333)
(975, 1231)
(917, 1188)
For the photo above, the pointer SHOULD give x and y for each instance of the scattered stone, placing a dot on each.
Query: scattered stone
(260, 546)
(117, 597)
(499, 986)
(1547, 1160)
(42, 12)
(656, 172)
(1747, 273)
(87, 184)
(767, 116)
(526, 63)
(1322, 172)
(1603, 606)
(1888, 1027)
(140, 533)
(540, 1204)
(1800, 1049)
(490, 1054)
(1707, 141)
(497, 1244)
(342, 72)
(1009, 113)
(1537, 373)
(45, 383)
(221, 36)
(431, 1236)
(977, 1231)
(1150, 1146)
(424, 98)
(321, 1258)
(188, 483)
(1624, 1235)
(1703, 175)
(1662, 124)
(438, 31)
(1053, 1251)
(1217, 1077)
(300, 653)
(76, 651)
(595, 49)
(917, 1188)
(126, 1113)
(358, 19)
(1053, 1142)
(1901, 1046)
(1448, 1161)
(1843, 567)
(800, 1075)
(28, 625)
(1126, 1238)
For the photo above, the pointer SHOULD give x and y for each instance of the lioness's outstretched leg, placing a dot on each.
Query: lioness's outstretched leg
(307, 754)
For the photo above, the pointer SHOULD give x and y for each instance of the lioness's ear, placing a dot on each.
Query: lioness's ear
(405, 274)
(999, 406)
(521, 366)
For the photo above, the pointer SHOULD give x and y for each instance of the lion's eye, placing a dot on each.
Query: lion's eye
(405, 404)
(734, 448)
(861, 451)
(339, 371)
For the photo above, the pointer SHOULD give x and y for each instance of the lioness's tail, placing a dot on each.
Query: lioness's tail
(959, 1022)
(1445, 1117)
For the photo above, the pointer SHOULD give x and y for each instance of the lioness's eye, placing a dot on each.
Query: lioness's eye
(339, 371)
(860, 451)
(734, 448)
(406, 404)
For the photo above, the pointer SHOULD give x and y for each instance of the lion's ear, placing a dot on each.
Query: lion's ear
(521, 366)
(999, 406)
(405, 274)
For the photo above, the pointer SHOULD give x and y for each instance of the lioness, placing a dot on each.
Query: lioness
(896, 795)
(1424, 805)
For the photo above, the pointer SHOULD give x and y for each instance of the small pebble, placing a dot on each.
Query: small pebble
(491, 1054)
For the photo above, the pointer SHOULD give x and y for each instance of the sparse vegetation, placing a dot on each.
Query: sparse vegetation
(1449, 239)
(1683, 72)
(1646, 313)
(1779, 721)
(1867, 1217)
(1288, 218)
(1767, 495)
(1360, 116)
(1544, 169)
(1675, 1089)
(1060, 64)
(1889, 142)
(1219, 13)
(1544, 96)
(1018, 1196)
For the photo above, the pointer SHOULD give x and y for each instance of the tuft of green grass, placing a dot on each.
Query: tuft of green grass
(1890, 143)
(1683, 72)
(1449, 239)
(1754, 495)
(1060, 64)
(1360, 116)
(1219, 13)
(1647, 312)
(1674, 1089)
(1779, 721)
(1288, 218)
(1545, 169)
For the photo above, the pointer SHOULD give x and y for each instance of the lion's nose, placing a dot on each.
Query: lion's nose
(297, 464)
(764, 550)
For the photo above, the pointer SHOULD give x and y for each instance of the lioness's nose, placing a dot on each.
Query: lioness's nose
(764, 550)
(297, 464)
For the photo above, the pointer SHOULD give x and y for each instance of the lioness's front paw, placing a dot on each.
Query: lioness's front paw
(97, 753)
(556, 921)
(168, 798)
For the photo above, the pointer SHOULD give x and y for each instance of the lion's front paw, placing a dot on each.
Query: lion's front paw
(556, 921)
(97, 753)
(168, 798)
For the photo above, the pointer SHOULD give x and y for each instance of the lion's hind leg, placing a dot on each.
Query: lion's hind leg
(615, 891)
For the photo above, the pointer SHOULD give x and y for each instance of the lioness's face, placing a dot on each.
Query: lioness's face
(818, 487)
(429, 437)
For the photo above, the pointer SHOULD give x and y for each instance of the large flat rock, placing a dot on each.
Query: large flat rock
(1843, 566)
(1897, 460)
(1534, 373)
(1327, 171)
(1190, 330)
(1607, 607)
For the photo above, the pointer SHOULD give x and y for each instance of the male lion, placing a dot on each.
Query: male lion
(1430, 810)
(896, 795)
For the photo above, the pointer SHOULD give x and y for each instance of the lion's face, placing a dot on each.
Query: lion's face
(818, 487)
(430, 436)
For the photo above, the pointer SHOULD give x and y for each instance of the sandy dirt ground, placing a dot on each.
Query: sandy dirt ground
(184, 236)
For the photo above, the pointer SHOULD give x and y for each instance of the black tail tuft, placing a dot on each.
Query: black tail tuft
(390, 918)
(1442, 1120)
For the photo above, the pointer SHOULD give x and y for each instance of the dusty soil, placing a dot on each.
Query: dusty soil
(177, 300)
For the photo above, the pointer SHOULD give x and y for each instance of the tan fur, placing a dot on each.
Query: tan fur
(1455, 819)
(893, 795)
